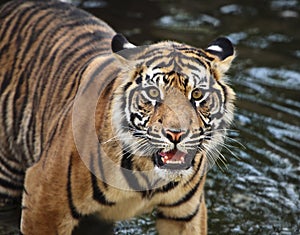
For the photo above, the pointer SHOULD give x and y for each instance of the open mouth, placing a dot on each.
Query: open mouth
(174, 159)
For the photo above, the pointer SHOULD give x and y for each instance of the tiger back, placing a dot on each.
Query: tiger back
(32, 40)
(91, 124)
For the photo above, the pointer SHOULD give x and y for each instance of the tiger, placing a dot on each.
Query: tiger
(92, 124)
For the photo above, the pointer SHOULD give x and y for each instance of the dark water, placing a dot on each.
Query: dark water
(258, 190)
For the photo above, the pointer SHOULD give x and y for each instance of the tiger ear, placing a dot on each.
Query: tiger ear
(125, 52)
(119, 42)
(222, 49)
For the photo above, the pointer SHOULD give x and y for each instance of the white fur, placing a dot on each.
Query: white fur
(215, 48)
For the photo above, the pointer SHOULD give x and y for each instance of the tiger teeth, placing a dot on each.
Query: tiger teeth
(165, 160)
(174, 162)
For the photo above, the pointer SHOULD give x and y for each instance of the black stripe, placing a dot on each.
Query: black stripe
(6, 10)
(154, 56)
(6, 174)
(31, 139)
(17, 94)
(126, 167)
(127, 86)
(186, 197)
(224, 90)
(147, 193)
(201, 116)
(164, 63)
(195, 51)
(87, 54)
(98, 195)
(187, 218)
(5, 82)
(108, 88)
(70, 51)
(14, 171)
(166, 188)
(10, 185)
(196, 171)
(75, 214)
(96, 73)
(8, 199)
(35, 34)
(56, 130)
(17, 25)
(100, 167)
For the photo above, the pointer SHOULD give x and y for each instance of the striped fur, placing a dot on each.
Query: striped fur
(86, 126)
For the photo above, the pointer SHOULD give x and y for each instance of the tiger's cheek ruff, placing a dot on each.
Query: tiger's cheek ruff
(216, 111)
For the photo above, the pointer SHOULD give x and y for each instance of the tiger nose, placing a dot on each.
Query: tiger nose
(174, 136)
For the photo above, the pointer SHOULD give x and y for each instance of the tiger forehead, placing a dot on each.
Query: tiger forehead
(172, 78)
(172, 66)
(162, 77)
(186, 79)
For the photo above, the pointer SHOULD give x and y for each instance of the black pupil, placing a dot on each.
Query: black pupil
(197, 95)
(153, 92)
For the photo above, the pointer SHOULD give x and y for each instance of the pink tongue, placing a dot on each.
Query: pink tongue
(174, 155)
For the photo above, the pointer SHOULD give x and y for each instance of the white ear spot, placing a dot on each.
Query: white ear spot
(215, 48)
(128, 45)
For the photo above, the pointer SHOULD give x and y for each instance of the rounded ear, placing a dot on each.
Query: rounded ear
(223, 50)
(124, 50)
(119, 42)
(221, 47)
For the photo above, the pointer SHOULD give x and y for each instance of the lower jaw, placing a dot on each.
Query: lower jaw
(189, 160)
(166, 175)
(170, 166)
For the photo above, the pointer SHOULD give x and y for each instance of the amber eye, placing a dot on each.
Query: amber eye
(197, 94)
(153, 92)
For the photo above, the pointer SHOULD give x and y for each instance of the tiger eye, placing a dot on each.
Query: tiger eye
(153, 93)
(197, 94)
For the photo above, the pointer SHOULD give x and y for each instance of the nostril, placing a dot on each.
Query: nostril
(174, 136)
(170, 137)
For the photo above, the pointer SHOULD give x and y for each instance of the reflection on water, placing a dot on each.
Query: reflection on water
(258, 190)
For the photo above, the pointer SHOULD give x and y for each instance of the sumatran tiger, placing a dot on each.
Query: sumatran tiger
(91, 124)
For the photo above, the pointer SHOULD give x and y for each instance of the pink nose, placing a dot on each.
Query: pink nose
(174, 136)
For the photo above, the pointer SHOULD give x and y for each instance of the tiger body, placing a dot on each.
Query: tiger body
(89, 128)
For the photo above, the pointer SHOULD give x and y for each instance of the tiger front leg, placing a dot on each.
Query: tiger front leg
(44, 203)
(183, 220)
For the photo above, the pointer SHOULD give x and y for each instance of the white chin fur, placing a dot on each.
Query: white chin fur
(173, 175)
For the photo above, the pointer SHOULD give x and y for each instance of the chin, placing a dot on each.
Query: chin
(175, 175)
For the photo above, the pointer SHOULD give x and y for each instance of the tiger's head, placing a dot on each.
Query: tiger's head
(174, 103)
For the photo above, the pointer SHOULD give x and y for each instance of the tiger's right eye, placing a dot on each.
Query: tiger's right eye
(197, 94)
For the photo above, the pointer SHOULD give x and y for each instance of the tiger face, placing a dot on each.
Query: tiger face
(173, 104)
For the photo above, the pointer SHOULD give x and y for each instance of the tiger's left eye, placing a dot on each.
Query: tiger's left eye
(153, 93)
